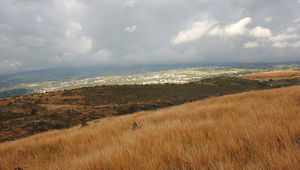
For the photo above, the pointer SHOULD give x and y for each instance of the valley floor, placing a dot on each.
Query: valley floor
(251, 130)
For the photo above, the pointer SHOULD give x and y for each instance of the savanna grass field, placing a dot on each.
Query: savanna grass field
(149, 85)
(250, 130)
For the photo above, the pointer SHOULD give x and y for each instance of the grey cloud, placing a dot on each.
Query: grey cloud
(49, 33)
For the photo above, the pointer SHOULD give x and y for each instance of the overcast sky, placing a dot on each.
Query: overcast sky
(37, 34)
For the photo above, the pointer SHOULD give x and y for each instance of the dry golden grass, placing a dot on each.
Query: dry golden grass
(253, 130)
(274, 75)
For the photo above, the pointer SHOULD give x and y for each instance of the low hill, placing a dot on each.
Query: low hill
(274, 75)
(275, 79)
(27, 115)
(252, 130)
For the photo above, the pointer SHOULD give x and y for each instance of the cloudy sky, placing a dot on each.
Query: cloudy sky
(37, 34)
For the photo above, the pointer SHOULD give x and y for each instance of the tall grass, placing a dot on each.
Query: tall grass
(253, 130)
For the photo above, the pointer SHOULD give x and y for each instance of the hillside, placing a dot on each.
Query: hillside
(27, 115)
(275, 79)
(274, 75)
(252, 130)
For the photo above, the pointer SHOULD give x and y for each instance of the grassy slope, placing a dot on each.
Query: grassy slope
(274, 75)
(252, 130)
(275, 79)
(28, 115)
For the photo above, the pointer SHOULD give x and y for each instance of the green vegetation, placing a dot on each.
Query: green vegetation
(4, 116)
(125, 94)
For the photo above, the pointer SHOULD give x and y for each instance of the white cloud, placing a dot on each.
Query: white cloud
(130, 28)
(216, 31)
(73, 29)
(268, 19)
(291, 29)
(298, 1)
(76, 40)
(285, 44)
(103, 55)
(281, 44)
(252, 44)
(71, 5)
(263, 36)
(285, 40)
(196, 31)
(238, 28)
(211, 28)
(129, 3)
(296, 20)
(235, 29)
(296, 44)
(260, 32)
(282, 37)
